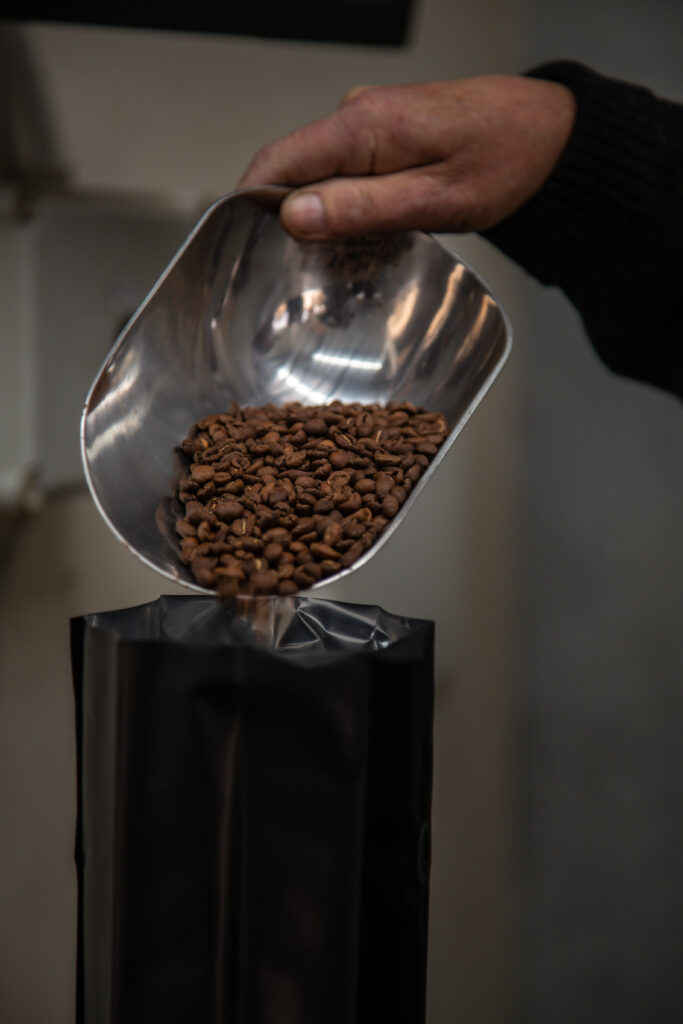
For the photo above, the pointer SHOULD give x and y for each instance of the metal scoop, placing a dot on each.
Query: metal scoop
(245, 312)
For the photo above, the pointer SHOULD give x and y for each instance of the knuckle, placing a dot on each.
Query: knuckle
(354, 94)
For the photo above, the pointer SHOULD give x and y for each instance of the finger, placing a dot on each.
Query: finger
(406, 200)
(323, 149)
(357, 139)
(352, 94)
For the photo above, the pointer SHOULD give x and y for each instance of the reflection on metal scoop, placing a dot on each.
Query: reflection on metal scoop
(247, 313)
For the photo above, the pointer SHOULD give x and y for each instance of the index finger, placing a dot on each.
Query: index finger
(326, 148)
(372, 132)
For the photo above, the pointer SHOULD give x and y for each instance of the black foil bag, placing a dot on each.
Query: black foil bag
(253, 813)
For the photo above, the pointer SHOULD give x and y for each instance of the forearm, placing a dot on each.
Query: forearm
(607, 227)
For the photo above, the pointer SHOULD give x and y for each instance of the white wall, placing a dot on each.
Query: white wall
(179, 116)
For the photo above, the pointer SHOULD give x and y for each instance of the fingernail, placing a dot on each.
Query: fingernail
(305, 214)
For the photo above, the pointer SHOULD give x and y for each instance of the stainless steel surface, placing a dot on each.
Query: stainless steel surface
(245, 312)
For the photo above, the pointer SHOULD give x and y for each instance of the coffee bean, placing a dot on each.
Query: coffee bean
(332, 534)
(185, 529)
(354, 529)
(320, 551)
(339, 460)
(253, 544)
(363, 515)
(372, 502)
(201, 474)
(323, 507)
(204, 576)
(287, 495)
(187, 546)
(315, 427)
(352, 555)
(264, 582)
(196, 513)
(276, 533)
(352, 503)
(390, 506)
(227, 589)
(226, 511)
(204, 531)
(273, 551)
(365, 424)
(303, 555)
(303, 579)
(303, 526)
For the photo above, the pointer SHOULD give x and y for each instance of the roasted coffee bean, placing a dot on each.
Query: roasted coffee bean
(352, 503)
(316, 426)
(187, 546)
(204, 576)
(303, 555)
(226, 511)
(273, 551)
(390, 506)
(204, 531)
(227, 589)
(354, 529)
(352, 555)
(320, 551)
(302, 578)
(363, 515)
(201, 474)
(276, 533)
(323, 507)
(332, 534)
(313, 569)
(252, 544)
(196, 513)
(287, 495)
(264, 582)
(185, 529)
(339, 460)
(303, 526)
(372, 502)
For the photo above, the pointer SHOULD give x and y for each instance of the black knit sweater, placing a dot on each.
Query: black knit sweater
(607, 227)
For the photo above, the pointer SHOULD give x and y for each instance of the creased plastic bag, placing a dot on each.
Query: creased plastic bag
(254, 803)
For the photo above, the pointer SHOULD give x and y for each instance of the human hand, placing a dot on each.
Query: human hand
(438, 156)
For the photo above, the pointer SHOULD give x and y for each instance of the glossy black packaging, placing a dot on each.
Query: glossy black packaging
(253, 813)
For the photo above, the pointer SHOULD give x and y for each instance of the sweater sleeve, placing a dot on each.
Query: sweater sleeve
(607, 226)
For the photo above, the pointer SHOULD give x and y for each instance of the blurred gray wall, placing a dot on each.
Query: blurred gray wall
(552, 561)
(601, 616)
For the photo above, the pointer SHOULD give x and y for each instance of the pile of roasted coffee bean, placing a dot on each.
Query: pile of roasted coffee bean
(279, 497)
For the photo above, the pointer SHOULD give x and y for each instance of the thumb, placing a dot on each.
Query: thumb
(341, 207)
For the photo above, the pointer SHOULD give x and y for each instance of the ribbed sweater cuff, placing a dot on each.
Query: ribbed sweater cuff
(600, 191)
